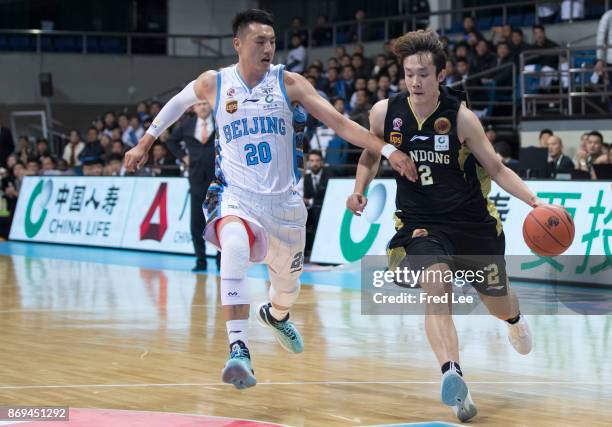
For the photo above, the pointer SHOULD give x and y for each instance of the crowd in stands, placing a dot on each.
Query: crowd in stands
(350, 80)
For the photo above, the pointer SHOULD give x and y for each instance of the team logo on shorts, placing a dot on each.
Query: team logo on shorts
(396, 138)
(231, 92)
(442, 125)
(397, 123)
(231, 106)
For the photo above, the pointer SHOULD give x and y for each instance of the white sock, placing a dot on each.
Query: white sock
(278, 314)
(238, 330)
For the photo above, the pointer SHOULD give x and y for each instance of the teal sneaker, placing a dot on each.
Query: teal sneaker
(238, 370)
(285, 331)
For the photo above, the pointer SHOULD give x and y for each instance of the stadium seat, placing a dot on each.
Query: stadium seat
(22, 43)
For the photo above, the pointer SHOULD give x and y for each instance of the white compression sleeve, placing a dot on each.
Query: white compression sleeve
(173, 109)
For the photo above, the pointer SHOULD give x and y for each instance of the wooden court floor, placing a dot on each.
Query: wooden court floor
(95, 335)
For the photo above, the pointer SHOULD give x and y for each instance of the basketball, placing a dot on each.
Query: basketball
(548, 230)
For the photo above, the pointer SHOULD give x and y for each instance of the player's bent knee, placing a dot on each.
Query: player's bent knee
(235, 246)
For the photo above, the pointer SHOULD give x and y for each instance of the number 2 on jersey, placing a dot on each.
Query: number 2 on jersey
(425, 175)
(259, 153)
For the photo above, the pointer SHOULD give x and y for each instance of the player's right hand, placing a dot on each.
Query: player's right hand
(403, 164)
(135, 158)
(356, 203)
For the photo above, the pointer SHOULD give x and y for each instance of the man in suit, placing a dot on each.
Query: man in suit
(557, 161)
(193, 141)
(315, 184)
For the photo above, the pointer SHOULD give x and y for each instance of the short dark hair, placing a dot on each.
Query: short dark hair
(421, 41)
(243, 19)
(517, 30)
(462, 59)
(503, 42)
(538, 27)
(114, 156)
(543, 131)
(316, 153)
(597, 134)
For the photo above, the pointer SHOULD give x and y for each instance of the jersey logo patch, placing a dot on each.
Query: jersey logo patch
(396, 138)
(231, 92)
(419, 137)
(231, 106)
(397, 123)
(442, 125)
(441, 143)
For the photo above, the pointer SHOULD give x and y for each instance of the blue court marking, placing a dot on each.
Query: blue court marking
(161, 261)
(425, 424)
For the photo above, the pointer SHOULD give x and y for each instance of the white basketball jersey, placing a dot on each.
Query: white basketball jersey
(258, 133)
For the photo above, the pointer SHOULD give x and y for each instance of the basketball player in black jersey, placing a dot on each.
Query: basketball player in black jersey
(446, 212)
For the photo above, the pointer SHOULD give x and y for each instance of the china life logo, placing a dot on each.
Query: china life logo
(352, 250)
(36, 211)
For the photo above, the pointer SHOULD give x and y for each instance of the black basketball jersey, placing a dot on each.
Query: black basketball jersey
(451, 186)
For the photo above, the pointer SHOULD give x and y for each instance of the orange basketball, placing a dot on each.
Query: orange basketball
(548, 230)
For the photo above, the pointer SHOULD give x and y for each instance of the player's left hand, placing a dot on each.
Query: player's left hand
(403, 164)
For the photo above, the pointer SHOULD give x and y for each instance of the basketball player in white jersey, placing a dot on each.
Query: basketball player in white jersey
(253, 213)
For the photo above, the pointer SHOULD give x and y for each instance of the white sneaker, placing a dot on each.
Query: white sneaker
(520, 337)
(454, 393)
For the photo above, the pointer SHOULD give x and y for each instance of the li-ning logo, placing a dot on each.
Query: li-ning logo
(419, 137)
(37, 207)
(152, 231)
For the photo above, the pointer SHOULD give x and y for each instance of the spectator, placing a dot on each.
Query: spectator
(384, 86)
(296, 59)
(315, 184)
(359, 31)
(332, 63)
(142, 111)
(419, 8)
(316, 73)
(557, 161)
(463, 69)
(162, 162)
(93, 168)
(313, 82)
(117, 147)
(146, 123)
(93, 149)
(33, 167)
(340, 52)
(322, 32)
(73, 149)
(154, 109)
(501, 34)
(133, 133)
(6, 144)
(543, 137)
(462, 50)
(11, 160)
(348, 76)
(297, 29)
(361, 111)
(518, 44)
(544, 62)
(105, 143)
(594, 150)
(604, 56)
(42, 148)
(345, 60)
(379, 66)
(451, 73)
(469, 26)
(123, 122)
(11, 185)
(360, 84)
(335, 86)
(116, 134)
(361, 68)
(483, 60)
(503, 77)
(24, 152)
(110, 122)
(114, 165)
(372, 89)
(394, 76)
(49, 166)
(98, 123)
(62, 167)
(473, 38)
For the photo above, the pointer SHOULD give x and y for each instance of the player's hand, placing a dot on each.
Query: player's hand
(136, 158)
(403, 164)
(356, 203)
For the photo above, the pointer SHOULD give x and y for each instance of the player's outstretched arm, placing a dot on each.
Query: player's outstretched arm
(471, 131)
(203, 88)
(300, 90)
(368, 161)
